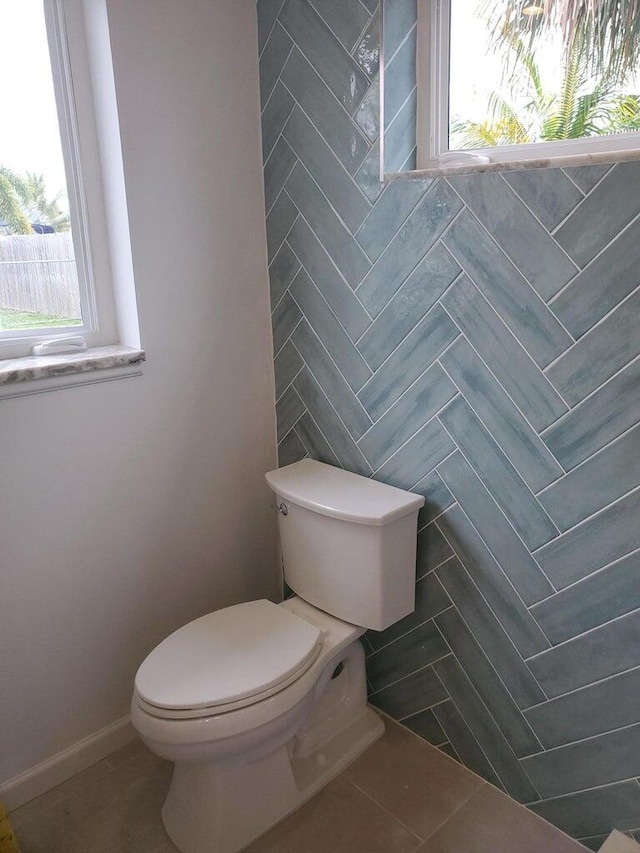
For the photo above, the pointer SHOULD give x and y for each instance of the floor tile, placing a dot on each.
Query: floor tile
(491, 822)
(413, 780)
(340, 819)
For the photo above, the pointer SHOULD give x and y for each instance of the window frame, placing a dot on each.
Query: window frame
(72, 80)
(432, 119)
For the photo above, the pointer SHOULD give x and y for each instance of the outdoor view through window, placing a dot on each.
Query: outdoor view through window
(38, 276)
(547, 71)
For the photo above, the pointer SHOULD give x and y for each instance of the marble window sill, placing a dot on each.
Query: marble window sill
(557, 162)
(36, 374)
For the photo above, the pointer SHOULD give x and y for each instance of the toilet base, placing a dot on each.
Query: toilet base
(214, 808)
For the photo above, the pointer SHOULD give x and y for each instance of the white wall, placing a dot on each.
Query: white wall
(133, 506)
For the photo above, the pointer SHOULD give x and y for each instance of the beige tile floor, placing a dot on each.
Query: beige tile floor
(401, 796)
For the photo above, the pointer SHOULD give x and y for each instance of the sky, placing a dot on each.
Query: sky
(29, 136)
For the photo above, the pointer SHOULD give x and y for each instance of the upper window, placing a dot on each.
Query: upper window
(55, 280)
(511, 80)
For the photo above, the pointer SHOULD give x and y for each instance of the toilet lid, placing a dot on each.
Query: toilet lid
(226, 656)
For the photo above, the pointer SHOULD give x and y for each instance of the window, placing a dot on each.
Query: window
(510, 80)
(55, 256)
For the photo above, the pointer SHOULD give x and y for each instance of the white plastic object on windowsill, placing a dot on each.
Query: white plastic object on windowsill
(60, 346)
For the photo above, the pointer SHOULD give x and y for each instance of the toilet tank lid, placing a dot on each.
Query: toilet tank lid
(341, 494)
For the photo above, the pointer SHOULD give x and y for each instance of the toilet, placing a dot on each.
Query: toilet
(260, 705)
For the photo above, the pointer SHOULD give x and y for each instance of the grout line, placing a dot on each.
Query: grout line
(547, 750)
(625, 228)
(498, 622)
(496, 504)
(593, 328)
(589, 396)
(348, 387)
(588, 520)
(342, 423)
(288, 338)
(408, 675)
(580, 636)
(494, 440)
(587, 578)
(584, 687)
(276, 21)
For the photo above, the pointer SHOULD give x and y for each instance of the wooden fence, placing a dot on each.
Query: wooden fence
(38, 275)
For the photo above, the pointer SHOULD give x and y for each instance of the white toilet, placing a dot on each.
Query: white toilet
(259, 705)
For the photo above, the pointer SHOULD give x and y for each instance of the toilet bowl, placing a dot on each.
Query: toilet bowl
(260, 705)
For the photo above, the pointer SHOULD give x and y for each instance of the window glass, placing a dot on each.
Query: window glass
(515, 83)
(39, 286)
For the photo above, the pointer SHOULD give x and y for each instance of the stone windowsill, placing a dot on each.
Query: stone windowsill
(33, 374)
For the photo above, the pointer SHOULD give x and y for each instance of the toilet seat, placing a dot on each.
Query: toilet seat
(226, 660)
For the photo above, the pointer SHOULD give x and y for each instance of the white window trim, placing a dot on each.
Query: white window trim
(85, 94)
(433, 154)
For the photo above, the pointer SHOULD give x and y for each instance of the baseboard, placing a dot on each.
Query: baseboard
(62, 766)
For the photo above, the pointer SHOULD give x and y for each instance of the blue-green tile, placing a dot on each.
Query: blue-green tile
(615, 469)
(324, 323)
(508, 427)
(393, 207)
(409, 653)
(326, 225)
(603, 538)
(272, 61)
(597, 420)
(412, 241)
(279, 221)
(590, 812)
(607, 758)
(330, 425)
(420, 455)
(285, 318)
(502, 353)
(489, 633)
(314, 441)
(605, 651)
(602, 285)
(493, 583)
(328, 114)
(290, 449)
(602, 707)
(415, 693)
(426, 725)
(506, 289)
(437, 498)
(516, 231)
(339, 71)
(423, 287)
(603, 596)
(400, 77)
(602, 215)
(274, 117)
(586, 177)
(484, 678)
(548, 193)
(485, 730)
(328, 280)
(282, 271)
(498, 474)
(276, 171)
(287, 365)
(289, 409)
(601, 353)
(344, 194)
(332, 382)
(345, 20)
(422, 346)
(412, 410)
(433, 550)
(501, 539)
(367, 51)
(465, 746)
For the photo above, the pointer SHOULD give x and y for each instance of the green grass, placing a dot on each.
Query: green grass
(18, 321)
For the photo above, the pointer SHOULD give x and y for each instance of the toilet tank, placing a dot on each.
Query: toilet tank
(348, 543)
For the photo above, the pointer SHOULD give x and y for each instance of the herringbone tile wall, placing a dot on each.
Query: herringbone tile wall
(475, 340)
